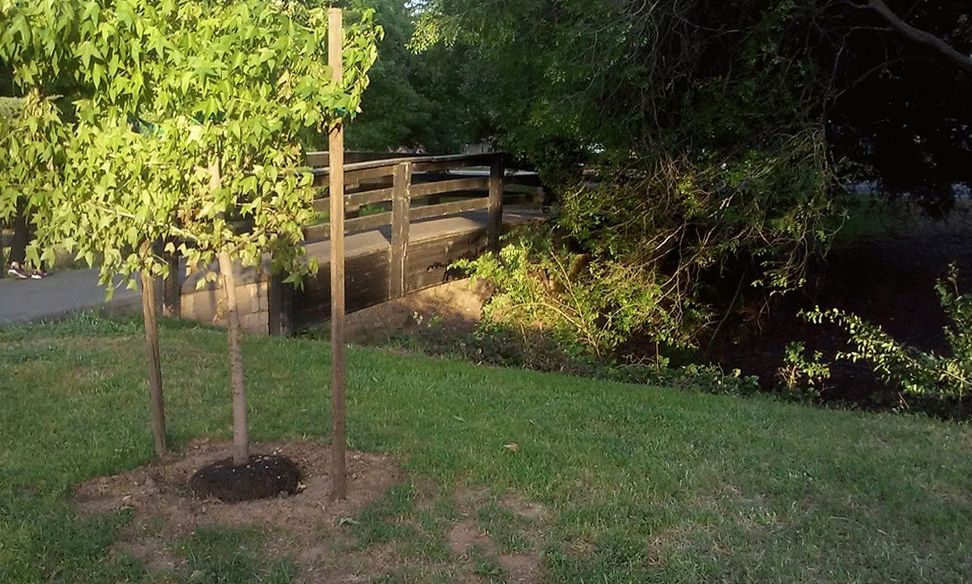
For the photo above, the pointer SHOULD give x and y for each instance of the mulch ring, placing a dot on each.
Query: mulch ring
(159, 490)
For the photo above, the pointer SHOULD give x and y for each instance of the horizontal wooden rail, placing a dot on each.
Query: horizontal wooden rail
(419, 163)
(320, 232)
(443, 209)
(357, 199)
(476, 183)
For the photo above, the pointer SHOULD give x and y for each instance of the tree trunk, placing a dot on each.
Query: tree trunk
(919, 36)
(154, 361)
(241, 440)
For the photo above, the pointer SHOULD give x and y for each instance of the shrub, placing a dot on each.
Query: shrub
(916, 373)
(800, 375)
(587, 302)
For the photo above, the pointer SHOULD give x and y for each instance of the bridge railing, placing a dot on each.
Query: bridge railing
(400, 191)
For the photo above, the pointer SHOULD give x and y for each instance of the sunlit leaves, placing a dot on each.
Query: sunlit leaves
(188, 126)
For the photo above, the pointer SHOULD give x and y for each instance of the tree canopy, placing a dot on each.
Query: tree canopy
(715, 136)
(189, 121)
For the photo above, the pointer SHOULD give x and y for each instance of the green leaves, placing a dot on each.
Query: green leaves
(188, 129)
(917, 373)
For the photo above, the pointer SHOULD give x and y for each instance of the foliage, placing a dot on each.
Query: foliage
(703, 151)
(802, 375)
(916, 373)
(509, 345)
(31, 137)
(899, 111)
(218, 93)
(592, 303)
(711, 133)
(425, 102)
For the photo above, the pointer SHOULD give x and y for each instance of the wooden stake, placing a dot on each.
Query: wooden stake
(154, 361)
(335, 41)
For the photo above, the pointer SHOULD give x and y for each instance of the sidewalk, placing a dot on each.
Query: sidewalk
(57, 295)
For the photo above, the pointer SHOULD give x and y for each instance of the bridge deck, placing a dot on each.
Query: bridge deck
(435, 244)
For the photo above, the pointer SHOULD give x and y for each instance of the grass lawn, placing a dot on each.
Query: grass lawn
(638, 484)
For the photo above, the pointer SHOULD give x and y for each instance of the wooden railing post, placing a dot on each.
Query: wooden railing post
(172, 287)
(401, 203)
(280, 306)
(494, 224)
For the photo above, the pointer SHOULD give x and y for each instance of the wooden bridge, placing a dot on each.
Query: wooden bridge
(407, 220)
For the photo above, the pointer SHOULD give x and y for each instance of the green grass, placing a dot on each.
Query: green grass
(639, 484)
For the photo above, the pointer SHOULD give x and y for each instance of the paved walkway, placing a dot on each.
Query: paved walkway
(57, 295)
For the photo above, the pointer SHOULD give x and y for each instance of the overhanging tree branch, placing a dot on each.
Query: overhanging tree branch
(917, 35)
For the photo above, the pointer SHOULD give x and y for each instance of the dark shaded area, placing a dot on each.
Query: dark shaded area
(886, 280)
(265, 476)
(901, 113)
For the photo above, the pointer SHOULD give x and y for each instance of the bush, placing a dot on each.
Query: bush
(802, 376)
(500, 345)
(916, 373)
(586, 302)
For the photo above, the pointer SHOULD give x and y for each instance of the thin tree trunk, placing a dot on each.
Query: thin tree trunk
(154, 361)
(241, 440)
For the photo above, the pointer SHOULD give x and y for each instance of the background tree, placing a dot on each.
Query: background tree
(717, 135)
(425, 102)
(900, 112)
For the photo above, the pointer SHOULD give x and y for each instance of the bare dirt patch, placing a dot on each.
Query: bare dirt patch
(165, 510)
(468, 537)
(160, 489)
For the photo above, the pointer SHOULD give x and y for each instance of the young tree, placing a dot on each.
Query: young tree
(255, 78)
(191, 130)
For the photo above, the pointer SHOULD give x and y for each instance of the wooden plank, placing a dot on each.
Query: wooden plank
(322, 231)
(475, 183)
(356, 199)
(438, 163)
(428, 264)
(494, 222)
(374, 170)
(369, 174)
(401, 201)
(367, 223)
(316, 159)
(367, 276)
(315, 233)
(419, 163)
(441, 210)
(369, 197)
(339, 469)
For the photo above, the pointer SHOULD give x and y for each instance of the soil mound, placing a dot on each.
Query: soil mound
(264, 476)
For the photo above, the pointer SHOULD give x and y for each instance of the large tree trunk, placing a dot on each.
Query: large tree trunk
(241, 440)
(154, 361)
